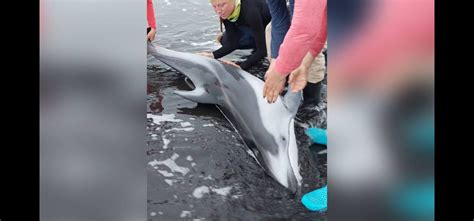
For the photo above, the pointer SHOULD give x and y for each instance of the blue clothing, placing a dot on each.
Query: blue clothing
(281, 20)
(246, 38)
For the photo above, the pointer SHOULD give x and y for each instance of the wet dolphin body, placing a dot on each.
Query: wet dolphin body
(267, 129)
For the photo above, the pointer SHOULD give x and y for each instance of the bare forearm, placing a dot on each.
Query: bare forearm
(308, 60)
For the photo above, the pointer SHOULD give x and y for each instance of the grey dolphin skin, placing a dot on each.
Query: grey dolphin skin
(267, 129)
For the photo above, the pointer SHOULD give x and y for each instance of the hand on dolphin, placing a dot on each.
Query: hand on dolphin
(151, 35)
(298, 78)
(206, 54)
(230, 63)
(274, 84)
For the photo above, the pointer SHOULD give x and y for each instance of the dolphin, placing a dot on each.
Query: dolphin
(266, 129)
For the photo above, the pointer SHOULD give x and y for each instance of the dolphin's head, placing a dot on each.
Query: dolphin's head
(282, 159)
(287, 156)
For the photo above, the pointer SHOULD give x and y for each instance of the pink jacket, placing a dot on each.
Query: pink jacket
(308, 32)
(150, 14)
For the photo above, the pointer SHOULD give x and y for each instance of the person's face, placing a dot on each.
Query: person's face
(223, 8)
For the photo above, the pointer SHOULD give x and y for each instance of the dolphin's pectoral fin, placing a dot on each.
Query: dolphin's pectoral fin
(198, 95)
(292, 101)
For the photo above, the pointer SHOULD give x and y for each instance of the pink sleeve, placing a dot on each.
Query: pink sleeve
(320, 40)
(395, 30)
(307, 33)
(150, 14)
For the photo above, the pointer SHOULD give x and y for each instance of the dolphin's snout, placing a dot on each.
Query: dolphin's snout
(293, 183)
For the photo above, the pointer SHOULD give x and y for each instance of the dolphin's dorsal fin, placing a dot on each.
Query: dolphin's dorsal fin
(198, 95)
(292, 101)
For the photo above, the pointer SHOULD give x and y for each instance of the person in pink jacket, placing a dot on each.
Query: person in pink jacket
(303, 42)
(150, 17)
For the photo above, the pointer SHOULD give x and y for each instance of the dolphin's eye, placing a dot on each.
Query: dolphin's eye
(283, 138)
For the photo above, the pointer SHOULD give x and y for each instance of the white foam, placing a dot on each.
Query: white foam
(193, 164)
(153, 163)
(174, 156)
(170, 164)
(157, 119)
(185, 124)
(165, 142)
(169, 182)
(200, 191)
(152, 214)
(188, 129)
(208, 178)
(208, 125)
(161, 213)
(165, 173)
(224, 191)
(185, 213)
(183, 10)
(236, 196)
(189, 158)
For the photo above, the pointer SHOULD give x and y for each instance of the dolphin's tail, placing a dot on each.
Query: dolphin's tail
(189, 64)
(192, 66)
